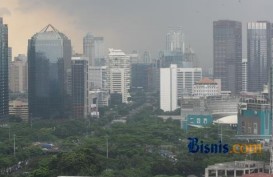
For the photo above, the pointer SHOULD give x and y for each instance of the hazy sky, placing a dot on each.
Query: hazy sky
(129, 24)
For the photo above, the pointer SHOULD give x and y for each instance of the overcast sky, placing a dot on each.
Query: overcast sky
(130, 24)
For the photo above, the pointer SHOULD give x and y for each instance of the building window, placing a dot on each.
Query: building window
(205, 121)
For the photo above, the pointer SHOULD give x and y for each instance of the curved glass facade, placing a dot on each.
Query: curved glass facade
(49, 60)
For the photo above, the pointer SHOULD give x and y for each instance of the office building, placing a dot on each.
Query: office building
(244, 75)
(18, 75)
(49, 71)
(98, 77)
(167, 58)
(175, 40)
(168, 88)
(146, 57)
(134, 57)
(10, 55)
(227, 54)
(186, 78)
(119, 70)
(99, 97)
(4, 72)
(80, 88)
(142, 76)
(93, 48)
(190, 58)
(206, 87)
(259, 59)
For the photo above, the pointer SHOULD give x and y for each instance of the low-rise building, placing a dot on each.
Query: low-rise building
(234, 169)
(254, 115)
(206, 87)
(19, 108)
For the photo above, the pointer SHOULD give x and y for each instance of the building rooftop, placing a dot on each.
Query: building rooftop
(237, 165)
(232, 119)
(116, 52)
(206, 80)
(258, 175)
(49, 33)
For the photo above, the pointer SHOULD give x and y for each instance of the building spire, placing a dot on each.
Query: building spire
(49, 27)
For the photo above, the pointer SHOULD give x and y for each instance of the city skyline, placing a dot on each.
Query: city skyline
(138, 30)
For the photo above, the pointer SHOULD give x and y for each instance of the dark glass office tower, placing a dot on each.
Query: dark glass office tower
(49, 71)
(80, 87)
(4, 79)
(259, 37)
(227, 54)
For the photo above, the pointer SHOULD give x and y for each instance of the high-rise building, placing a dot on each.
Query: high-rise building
(4, 72)
(49, 71)
(175, 40)
(186, 78)
(93, 48)
(167, 58)
(146, 57)
(168, 88)
(190, 58)
(119, 70)
(18, 75)
(134, 57)
(244, 75)
(10, 55)
(142, 76)
(259, 59)
(227, 54)
(98, 77)
(80, 90)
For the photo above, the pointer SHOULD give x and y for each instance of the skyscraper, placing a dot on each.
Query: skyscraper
(258, 54)
(4, 79)
(186, 78)
(168, 88)
(119, 73)
(80, 104)
(49, 71)
(18, 74)
(93, 48)
(244, 75)
(227, 54)
(146, 57)
(175, 40)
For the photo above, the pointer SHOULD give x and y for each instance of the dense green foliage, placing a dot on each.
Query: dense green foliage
(145, 146)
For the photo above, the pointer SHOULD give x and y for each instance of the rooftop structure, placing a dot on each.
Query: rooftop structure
(258, 175)
(234, 169)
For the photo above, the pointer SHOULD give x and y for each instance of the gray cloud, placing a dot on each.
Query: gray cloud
(4, 12)
(143, 24)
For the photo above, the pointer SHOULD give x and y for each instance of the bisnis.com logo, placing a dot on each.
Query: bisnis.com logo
(195, 146)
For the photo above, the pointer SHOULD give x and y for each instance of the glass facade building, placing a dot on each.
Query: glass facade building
(49, 71)
(80, 88)
(4, 79)
(258, 54)
(227, 54)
